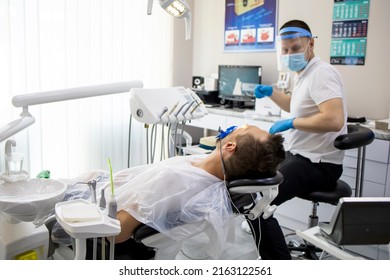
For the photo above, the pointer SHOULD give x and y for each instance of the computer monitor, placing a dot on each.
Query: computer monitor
(237, 82)
(359, 221)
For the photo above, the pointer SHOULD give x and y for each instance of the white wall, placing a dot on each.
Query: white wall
(366, 86)
(182, 53)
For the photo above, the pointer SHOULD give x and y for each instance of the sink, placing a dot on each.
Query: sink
(30, 199)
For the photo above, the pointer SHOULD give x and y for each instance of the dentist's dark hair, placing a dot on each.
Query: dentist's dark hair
(296, 23)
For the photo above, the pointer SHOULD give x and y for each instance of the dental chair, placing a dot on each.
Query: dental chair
(358, 137)
(245, 202)
(250, 198)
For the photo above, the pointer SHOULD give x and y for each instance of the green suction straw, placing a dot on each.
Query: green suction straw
(111, 179)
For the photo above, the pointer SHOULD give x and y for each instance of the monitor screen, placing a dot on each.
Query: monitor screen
(237, 82)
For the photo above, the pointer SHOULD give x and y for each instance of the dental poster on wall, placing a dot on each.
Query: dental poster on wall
(349, 32)
(250, 25)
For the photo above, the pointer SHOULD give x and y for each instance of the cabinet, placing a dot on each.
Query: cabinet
(376, 168)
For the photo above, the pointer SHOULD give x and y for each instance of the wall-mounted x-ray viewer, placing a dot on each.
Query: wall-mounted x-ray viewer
(165, 105)
(178, 9)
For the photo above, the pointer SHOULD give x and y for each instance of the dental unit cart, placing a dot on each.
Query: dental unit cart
(82, 219)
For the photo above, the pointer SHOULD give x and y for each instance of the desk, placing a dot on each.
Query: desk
(225, 117)
(314, 236)
(222, 117)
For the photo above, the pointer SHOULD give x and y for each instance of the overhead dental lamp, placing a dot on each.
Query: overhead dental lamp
(176, 8)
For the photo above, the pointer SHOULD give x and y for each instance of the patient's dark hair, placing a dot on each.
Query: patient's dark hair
(296, 23)
(254, 158)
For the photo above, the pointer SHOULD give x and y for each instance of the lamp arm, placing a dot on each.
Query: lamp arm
(43, 97)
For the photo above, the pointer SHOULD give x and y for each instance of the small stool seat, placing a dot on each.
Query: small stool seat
(342, 190)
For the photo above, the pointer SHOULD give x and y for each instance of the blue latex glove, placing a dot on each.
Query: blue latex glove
(263, 91)
(282, 125)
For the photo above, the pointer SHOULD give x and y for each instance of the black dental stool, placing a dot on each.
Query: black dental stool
(358, 137)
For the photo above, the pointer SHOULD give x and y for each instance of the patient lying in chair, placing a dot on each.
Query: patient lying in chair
(185, 194)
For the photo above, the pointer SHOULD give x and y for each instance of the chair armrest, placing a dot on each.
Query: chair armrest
(357, 136)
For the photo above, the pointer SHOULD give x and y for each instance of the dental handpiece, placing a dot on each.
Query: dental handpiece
(173, 108)
(165, 109)
(189, 106)
(92, 185)
(197, 105)
(181, 108)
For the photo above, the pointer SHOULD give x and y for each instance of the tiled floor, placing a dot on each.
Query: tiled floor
(243, 248)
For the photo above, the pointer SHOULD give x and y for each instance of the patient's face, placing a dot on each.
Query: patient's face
(251, 130)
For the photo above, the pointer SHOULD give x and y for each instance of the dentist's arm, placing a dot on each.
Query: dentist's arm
(329, 118)
(279, 97)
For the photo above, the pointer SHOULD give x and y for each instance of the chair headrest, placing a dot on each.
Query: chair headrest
(260, 181)
(357, 136)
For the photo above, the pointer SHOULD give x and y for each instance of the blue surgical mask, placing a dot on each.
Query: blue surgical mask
(295, 62)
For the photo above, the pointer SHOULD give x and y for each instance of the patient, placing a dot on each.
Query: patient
(175, 191)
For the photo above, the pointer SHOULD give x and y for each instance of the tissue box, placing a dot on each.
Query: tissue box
(382, 124)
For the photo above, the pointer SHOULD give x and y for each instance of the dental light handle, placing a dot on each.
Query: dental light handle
(187, 22)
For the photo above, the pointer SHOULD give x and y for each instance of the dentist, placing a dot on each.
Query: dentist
(318, 115)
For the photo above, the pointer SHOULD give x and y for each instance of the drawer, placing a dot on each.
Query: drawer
(373, 171)
(378, 150)
(370, 189)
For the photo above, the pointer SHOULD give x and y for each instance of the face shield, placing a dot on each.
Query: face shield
(291, 46)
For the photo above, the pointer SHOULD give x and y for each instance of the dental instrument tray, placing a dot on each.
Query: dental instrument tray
(83, 219)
